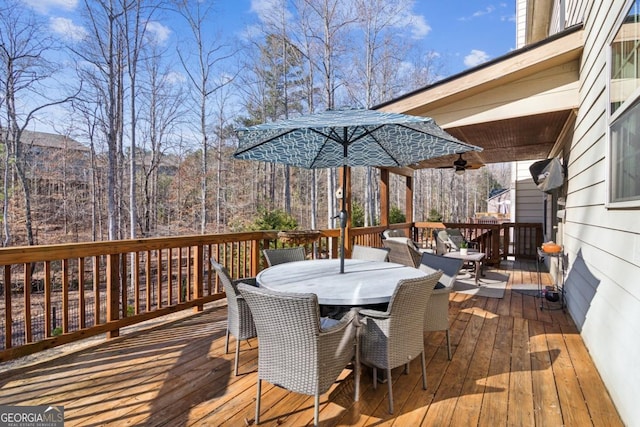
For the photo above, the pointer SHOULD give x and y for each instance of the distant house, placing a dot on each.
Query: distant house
(499, 203)
(572, 92)
(55, 164)
(53, 157)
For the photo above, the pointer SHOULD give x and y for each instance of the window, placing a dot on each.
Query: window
(624, 99)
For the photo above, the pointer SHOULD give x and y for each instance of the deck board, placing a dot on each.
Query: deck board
(513, 364)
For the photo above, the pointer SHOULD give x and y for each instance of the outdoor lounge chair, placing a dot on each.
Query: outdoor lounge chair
(239, 320)
(393, 233)
(396, 336)
(295, 351)
(437, 315)
(368, 253)
(402, 252)
(282, 255)
(449, 240)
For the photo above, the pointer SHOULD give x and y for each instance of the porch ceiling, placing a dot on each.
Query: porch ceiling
(517, 107)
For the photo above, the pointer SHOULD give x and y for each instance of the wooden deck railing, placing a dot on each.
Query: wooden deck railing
(57, 294)
(497, 241)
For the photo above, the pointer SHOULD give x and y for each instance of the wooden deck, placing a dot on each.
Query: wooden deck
(513, 365)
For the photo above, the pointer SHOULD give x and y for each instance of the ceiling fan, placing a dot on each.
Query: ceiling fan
(460, 165)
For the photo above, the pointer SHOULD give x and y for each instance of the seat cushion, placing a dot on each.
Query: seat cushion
(327, 322)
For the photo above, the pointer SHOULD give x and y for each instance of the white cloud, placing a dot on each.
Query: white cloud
(482, 12)
(419, 27)
(157, 33)
(476, 57)
(67, 29)
(175, 77)
(43, 6)
(269, 11)
(486, 11)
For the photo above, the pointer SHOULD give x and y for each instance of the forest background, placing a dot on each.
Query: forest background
(155, 158)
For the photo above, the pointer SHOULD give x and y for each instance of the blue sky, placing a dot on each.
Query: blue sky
(461, 33)
(464, 32)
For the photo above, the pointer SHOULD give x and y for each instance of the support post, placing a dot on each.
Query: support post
(384, 197)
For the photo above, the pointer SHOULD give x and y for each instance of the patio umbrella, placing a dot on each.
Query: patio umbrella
(348, 137)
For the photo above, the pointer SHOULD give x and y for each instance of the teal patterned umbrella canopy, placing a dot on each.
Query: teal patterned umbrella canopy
(351, 137)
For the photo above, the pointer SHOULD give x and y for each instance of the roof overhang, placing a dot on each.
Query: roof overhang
(516, 107)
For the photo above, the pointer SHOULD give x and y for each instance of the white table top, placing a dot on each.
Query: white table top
(362, 283)
(470, 256)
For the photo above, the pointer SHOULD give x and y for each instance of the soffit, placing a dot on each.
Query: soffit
(515, 107)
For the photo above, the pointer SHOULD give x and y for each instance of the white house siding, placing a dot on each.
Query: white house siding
(602, 245)
(557, 17)
(529, 200)
(521, 22)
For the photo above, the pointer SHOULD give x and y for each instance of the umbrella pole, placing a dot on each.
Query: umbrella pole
(343, 217)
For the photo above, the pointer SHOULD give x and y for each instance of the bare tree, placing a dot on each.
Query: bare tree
(162, 102)
(327, 23)
(24, 73)
(101, 68)
(200, 68)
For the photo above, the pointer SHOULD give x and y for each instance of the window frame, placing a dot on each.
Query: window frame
(631, 101)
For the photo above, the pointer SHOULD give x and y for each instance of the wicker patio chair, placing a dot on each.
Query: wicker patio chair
(395, 337)
(393, 233)
(449, 239)
(402, 252)
(239, 320)
(282, 255)
(437, 314)
(369, 254)
(295, 351)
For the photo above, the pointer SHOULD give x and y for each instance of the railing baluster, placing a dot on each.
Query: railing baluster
(81, 297)
(170, 276)
(159, 276)
(28, 334)
(7, 307)
(48, 329)
(96, 290)
(136, 282)
(65, 295)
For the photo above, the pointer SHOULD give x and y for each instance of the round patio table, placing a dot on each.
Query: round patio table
(362, 283)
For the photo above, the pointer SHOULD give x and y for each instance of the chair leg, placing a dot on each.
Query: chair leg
(375, 378)
(424, 371)
(316, 410)
(389, 381)
(448, 344)
(357, 374)
(259, 387)
(226, 343)
(237, 357)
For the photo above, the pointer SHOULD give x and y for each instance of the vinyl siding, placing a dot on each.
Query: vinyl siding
(602, 245)
(529, 205)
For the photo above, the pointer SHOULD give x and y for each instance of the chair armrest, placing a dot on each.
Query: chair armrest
(251, 281)
(346, 320)
(376, 314)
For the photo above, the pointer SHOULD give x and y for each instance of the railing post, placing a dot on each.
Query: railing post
(384, 197)
(198, 274)
(113, 291)
(255, 257)
(409, 199)
(505, 231)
